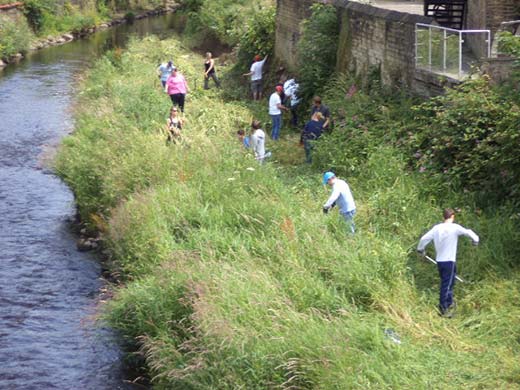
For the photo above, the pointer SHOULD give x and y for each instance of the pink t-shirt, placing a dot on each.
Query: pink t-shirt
(176, 84)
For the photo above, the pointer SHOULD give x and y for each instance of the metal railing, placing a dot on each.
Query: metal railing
(441, 48)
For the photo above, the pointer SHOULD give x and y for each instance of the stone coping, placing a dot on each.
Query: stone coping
(383, 13)
(10, 6)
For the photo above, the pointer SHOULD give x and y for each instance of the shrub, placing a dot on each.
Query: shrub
(15, 36)
(317, 49)
(470, 137)
(34, 12)
(257, 36)
(130, 17)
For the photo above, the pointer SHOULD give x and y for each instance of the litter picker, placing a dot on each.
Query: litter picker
(434, 262)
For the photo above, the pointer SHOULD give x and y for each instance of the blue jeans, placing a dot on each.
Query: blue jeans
(349, 219)
(277, 125)
(447, 272)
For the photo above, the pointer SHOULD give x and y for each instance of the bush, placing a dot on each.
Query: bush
(34, 12)
(227, 20)
(257, 36)
(470, 138)
(130, 17)
(317, 49)
(15, 36)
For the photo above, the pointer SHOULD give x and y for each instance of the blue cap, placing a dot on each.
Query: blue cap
(327, 176)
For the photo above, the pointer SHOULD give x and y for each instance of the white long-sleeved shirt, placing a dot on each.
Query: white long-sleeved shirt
(258, 144)
(342, 196)
(445, 237)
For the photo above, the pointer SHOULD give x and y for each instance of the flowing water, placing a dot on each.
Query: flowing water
(49, 291)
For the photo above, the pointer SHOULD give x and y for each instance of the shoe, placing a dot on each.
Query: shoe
(448, 313)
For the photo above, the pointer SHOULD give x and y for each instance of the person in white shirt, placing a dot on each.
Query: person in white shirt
(445, 237)
(258, 142)
(275, 111)
(290, 88)
(256, 76)
(164, 70)
(342, 197)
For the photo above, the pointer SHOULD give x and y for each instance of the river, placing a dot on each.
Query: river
(50, 292)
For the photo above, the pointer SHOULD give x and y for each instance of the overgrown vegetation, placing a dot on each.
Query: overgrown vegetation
(317, 48)
(53, 17)
(248, 25)
(15, 37)
(234, 278)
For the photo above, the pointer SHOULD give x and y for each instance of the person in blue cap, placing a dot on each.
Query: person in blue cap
(342, 197)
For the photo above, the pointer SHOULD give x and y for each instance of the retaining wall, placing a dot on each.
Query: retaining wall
(13, 10)
(289, 15)
(372, 41)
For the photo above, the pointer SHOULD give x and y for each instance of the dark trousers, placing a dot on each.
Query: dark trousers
(447, 272)
(178, 100)
(307, 145)
(294, 116)
(215, 79)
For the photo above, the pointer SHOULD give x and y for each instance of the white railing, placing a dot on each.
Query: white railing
(443, 45)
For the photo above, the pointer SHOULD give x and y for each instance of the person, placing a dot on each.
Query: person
(275, 111)
(342, 197)
(209, 71)
(291, 91)
(174, 125)
(256, 76)
(445, 237)
(319, 107)
(164, 70)
(244, 139)
(311, 132)
(177, 87)
(258, 142)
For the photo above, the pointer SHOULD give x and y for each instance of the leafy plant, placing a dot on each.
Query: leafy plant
(15, 36)
(34, 11)
(317, 49)
(257, 36)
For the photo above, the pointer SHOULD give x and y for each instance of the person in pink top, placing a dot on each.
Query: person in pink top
(177, 88)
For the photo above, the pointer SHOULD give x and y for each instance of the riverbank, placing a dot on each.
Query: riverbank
(233, 277)
(69, 36)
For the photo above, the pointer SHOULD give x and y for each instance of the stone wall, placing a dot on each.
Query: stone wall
(487, 15)
(12, 10)
(379, 41)
(374, 40)
(289, 15)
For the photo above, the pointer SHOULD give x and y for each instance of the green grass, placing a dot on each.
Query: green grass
(232, 277)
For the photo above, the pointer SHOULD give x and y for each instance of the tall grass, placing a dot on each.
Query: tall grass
(233, 279)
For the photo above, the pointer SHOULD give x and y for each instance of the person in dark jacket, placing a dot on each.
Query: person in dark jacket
(311, 132)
